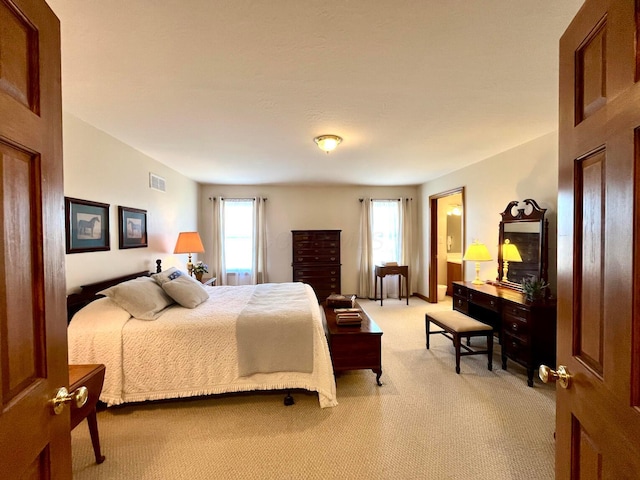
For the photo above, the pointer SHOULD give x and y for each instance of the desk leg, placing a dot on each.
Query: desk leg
(95, 439)
(381, 290)
(406, 284)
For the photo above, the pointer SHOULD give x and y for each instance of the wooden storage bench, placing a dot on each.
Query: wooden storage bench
(456, 325)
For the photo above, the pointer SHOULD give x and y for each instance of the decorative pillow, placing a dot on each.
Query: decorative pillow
(167, 275)
(186, 291)
(142, 297)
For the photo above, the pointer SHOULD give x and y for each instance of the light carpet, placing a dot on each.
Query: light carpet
(425, 422)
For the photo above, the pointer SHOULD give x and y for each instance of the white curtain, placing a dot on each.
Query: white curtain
(259, 269)
(257, 273)
(218, 241)
(365, 264)
(407, 256)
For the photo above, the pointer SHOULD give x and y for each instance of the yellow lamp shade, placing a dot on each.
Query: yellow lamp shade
(477, 252)
(510, 252)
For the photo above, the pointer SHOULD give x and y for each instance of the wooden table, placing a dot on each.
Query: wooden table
(92, 377)
(384, 270)
(354, 347)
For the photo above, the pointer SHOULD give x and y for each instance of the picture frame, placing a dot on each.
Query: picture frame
(132, 227)
(86, 225)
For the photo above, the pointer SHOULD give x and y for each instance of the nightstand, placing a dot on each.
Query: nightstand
(92, 377)
(209, 281)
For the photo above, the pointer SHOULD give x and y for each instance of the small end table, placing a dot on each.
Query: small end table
(384, 270)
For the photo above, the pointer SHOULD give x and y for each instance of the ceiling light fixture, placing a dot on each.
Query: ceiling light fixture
(327, 142)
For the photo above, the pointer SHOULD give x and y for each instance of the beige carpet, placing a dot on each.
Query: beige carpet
(425, 422)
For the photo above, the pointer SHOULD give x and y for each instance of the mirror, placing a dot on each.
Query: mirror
(524, 230)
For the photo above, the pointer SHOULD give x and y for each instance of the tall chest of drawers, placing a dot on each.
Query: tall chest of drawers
(527, 330)
(316, 260)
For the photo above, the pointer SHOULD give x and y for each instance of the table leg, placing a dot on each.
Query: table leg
(406, 284)
(95, 439)
(381, 290)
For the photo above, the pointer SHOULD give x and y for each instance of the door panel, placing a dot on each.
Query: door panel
(597, 420)
(34, 443)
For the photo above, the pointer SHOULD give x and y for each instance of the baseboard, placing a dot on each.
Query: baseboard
(423, 297)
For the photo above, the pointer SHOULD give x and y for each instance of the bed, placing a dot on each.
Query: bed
(239, 339)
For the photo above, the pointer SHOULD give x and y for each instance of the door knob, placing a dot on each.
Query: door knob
(547, 375)
(78, 396)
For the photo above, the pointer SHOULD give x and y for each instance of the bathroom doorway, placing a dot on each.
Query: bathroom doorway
(446, 242)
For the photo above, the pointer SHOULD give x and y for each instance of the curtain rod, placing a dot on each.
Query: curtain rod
(385, 199)
(213, 199)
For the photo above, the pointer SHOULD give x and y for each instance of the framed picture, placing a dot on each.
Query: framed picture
(87, 225)
(133, 227)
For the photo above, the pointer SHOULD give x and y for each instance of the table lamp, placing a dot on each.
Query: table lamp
(477, 252)
(510, 253)
(189, 242)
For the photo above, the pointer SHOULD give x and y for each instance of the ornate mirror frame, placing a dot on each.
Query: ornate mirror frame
(523, 223)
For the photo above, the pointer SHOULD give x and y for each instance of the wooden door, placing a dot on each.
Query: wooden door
(598, 415)
(34, 443)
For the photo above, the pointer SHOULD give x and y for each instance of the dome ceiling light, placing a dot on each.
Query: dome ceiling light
(327, 142)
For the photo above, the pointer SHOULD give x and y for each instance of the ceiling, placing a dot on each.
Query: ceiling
(234, 91)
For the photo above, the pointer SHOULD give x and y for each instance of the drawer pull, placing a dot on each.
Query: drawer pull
(514, 327)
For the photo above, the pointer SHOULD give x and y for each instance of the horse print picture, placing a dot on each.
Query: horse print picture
(132, 227)
(87, 225)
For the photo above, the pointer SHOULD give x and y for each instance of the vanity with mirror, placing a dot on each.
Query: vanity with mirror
(526, 330)
(522, 240)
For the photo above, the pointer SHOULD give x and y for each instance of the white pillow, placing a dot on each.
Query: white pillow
(142, 297)
(166, 275)
(186, 291)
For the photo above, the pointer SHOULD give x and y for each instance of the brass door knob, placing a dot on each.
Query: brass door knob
(562, 376)
(79, 397)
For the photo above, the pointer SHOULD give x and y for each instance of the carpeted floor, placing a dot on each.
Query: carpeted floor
(425, 422)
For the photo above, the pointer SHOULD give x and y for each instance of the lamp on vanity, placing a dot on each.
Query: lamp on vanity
(189, 242)
(510, 253)
(477, 252)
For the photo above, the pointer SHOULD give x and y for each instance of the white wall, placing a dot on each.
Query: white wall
(302, 208)
(100, 168)
(527, 171)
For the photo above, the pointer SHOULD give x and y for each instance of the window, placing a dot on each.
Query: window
(385, 230)
(238, 235)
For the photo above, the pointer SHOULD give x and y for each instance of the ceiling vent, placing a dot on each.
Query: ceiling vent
(156, 182)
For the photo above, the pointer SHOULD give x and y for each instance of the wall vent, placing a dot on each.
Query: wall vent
(156, 182)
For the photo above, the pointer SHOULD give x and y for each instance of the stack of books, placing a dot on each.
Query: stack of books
(348, 316)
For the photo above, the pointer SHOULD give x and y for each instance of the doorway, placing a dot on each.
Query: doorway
(446, 241)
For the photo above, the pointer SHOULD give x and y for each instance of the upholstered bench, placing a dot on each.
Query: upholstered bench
(456, 325)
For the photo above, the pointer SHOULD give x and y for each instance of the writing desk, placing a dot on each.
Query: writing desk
(384, 270)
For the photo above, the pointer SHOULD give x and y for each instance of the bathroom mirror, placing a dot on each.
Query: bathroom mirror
(524, 227)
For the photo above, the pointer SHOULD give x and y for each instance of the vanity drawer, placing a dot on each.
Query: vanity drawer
(460, 291)
(516, 311)
(484, 301)
(461, 304)
(516, 347)
(515, 325)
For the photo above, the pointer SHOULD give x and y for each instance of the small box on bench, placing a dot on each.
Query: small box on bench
(336, 300)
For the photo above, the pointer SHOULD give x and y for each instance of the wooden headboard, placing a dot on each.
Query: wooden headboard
(87, 293)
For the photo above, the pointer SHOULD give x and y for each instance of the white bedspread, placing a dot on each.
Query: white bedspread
(185, 352)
